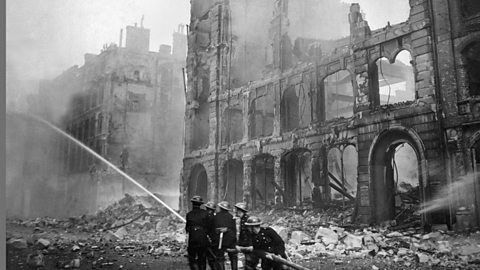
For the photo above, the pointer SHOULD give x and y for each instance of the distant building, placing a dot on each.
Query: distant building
(125, 103)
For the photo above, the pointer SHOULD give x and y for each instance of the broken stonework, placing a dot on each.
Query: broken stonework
(17, 243)
(422, 257)
(327, 236)
(120, 233)
(44, 243)
(352, 241)
(298, 237)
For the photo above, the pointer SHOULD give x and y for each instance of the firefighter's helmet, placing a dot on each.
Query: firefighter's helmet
(210, 205)
(242, 206)
(253, 221)
(224, 205)
(196, 199)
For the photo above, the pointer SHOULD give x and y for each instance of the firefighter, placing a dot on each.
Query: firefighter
(264, 239)
(197, 228)
(225, 236)
(244, 237)
(210, 207)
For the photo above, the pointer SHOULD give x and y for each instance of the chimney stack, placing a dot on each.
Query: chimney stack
(121, 38)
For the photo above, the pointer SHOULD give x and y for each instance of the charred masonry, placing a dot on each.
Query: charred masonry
(266, 135)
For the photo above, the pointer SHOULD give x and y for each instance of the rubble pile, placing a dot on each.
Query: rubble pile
(312, 235)
(135, 220)
(139, 225)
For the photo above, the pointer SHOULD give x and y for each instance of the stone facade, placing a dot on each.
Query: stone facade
(278, 147)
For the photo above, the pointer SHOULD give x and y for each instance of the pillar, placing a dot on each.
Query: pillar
(279, 183)
(247, 180)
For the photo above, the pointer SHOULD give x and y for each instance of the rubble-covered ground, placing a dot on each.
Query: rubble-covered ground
(137, 233)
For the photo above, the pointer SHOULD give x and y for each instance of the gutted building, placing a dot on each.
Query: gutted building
(283, 113)
(124, 103)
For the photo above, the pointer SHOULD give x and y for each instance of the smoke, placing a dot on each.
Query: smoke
(44, 42)
(44, 38)
(32, 183)
(254, 28)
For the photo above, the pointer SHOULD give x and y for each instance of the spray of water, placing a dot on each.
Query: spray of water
(458, 193)
(108, 163)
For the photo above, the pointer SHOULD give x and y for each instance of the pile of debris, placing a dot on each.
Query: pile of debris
(141, 224)
(139, 220)
(312, 235)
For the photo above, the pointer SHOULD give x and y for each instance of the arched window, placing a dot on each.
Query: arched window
(339, 99)
(297, 170)
(263, 190)
(396, 177)
(290, 110)
(232, 188)
(261, 112)
(396, 81)
(198, 182)
(232, 125)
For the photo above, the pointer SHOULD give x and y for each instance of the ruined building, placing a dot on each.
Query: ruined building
(125, 103)
(287, 106)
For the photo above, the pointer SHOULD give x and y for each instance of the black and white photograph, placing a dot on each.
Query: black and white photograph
(242, 134)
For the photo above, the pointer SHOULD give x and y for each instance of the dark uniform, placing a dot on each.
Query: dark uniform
(210, 233)
(244, 238)
(267, 240)
(196, 227)
(223, 221)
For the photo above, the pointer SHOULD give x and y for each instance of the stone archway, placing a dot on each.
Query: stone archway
(232, 185)
(297, 172)
(198, 182)
(386, 191)
(263, 189)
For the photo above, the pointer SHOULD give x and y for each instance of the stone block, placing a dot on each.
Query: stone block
(298, 236)
(327, 236)
(352, 241)
(18, 243)
(44, 243)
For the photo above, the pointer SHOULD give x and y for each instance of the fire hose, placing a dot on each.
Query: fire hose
(273, 257)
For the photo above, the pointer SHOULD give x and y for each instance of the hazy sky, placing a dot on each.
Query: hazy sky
(379, 12)
(46, 37)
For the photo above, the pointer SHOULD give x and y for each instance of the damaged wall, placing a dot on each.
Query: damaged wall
(305, 98)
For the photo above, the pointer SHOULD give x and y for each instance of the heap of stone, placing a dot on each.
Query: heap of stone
(312, 235)
(139, 220)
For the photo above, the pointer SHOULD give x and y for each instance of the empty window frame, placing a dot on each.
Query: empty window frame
(339, 97)
(396, 81)
(232, 125)
(296, 106)
(262, 112)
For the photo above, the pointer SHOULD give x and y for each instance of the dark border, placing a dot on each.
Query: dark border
(3, 251)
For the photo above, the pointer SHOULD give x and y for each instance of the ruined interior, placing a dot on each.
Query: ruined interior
(362, 115)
